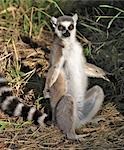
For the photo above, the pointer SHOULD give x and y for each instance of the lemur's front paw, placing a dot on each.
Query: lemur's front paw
(46, 93)
(54, 77)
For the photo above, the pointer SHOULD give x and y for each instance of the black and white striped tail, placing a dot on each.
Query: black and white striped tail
(12, 106)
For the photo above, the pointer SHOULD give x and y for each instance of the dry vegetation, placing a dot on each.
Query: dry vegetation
(25, 40)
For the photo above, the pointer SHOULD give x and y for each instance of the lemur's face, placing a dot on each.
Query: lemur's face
(65, 26)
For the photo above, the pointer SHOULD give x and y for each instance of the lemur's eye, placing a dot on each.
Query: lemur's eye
(61, 28)
(71, 27)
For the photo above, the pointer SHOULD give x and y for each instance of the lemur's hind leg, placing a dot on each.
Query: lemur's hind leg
(93, 100)
(65, 117)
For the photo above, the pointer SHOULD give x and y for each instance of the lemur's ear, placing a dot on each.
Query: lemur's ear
(54, 21)
(75, 18)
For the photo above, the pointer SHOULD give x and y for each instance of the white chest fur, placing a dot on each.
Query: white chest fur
(74, 70)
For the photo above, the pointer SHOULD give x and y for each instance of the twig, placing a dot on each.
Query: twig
(5, 56)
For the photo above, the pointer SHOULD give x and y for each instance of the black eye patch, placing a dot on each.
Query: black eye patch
(61, 28)
(71, 27)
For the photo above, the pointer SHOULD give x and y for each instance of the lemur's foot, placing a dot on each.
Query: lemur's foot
(72, 136)
(96, 120)
(53, 125)
(46, 93)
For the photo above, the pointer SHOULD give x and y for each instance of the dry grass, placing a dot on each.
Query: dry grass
(25, 65)
(107, 133)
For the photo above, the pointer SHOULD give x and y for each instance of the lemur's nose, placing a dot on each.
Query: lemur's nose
(66, 34)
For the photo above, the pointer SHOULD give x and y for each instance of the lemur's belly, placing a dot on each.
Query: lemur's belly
(76, 79)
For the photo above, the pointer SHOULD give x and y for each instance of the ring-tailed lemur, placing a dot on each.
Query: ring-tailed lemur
(12, 105)
(66, 83)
